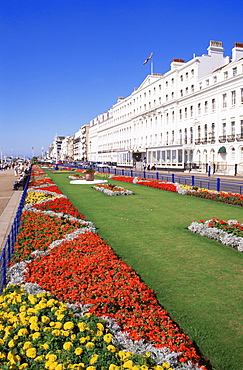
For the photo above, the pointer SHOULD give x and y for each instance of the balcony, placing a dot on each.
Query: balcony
(222, 139)
(230, 138)
(204, 140)
(197, 141)
(239, 137)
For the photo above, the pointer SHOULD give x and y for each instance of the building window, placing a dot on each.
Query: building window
(206, 132)
(226, 75)
(166, 97)
(233, 98)
(200, 85)
(213, 105)
(185, 112)
(224, 101)
(213, 131)
(191, 111)
(207, 82)
(181, 77)
(235, 71)
(233, 154)
(167, 118)
(172, 95)
(186, 90)
(159, 87)
(241, 96)
(180, 113)
(166, 84)
(180, 136)
(224, 128)
(185, 136)
(206, 107)
(192, 88)
(199, 133)
(181, 92)
(191, 135)
(241, 128)
(186, 75)
(233, 128)
(192, 72)
(199, 108)
(159, 100)
(173, 116)
(215, 79)
(173, 136)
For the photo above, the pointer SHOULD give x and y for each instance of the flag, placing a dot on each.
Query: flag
(146, 60)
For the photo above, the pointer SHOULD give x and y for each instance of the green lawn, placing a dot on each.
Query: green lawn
(197, 280)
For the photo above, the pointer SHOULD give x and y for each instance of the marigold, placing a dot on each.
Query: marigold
(31, 352)
(67, 345)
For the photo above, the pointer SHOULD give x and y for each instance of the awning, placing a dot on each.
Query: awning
(222, 149)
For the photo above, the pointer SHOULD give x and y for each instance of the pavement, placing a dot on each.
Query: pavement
(9, 202)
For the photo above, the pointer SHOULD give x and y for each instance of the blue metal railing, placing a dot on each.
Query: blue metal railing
(11, 239)
(209, 183)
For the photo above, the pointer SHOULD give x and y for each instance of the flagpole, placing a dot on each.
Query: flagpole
(151, 68)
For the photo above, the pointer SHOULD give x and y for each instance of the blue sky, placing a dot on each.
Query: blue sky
(64, 62)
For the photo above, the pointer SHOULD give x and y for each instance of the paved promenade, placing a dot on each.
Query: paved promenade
(9, 201)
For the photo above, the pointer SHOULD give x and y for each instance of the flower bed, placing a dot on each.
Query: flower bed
(112, 190)
(226, 232)
(218, 196)
(80, 267)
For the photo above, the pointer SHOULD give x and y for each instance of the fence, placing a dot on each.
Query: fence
(11, 239)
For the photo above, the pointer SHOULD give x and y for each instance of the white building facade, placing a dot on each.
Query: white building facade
(192, 116)
(80, 139)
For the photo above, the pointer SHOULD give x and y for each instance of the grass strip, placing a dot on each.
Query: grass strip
(197, 280)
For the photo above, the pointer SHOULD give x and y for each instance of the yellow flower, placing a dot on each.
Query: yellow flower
(100, 326)
(45, 346)
(59, 367)
(128, 364)
(78, 351)
(166, 365)
(31, 352)
(107, 338)
(68, 325)
(39, 358)
(113, 367)
(52, 357)
(23, 366)
(111, 348)
(94, 359)
(90, 368)
(60, 317)
(33, 319)
(82, 326)
(90, 345)
(11, 343)
(27, 345)
(45, 319)
(58, 325)
(23, 332)
(67, 345)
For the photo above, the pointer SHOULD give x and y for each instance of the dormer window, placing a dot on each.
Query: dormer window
(234, 71)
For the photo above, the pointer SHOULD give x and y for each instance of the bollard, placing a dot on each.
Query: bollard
(218, 184)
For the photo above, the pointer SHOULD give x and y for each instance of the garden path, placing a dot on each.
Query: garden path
(9, 201)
